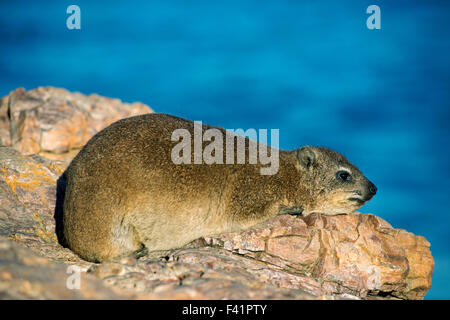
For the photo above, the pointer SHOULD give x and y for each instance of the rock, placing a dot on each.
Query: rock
(56, 123)
(25, 275)
(356, 256)
(200, 273)
(27, 202)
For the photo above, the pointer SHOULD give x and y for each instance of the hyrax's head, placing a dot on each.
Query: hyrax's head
(335, 185)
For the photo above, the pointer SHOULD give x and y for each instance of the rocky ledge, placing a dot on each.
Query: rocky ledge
(55, 123)
(356, 256)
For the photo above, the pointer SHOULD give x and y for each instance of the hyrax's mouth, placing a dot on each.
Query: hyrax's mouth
(358, 200)
(358, 197)
(361, 197)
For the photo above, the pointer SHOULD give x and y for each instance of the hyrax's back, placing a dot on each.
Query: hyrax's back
(124, 192)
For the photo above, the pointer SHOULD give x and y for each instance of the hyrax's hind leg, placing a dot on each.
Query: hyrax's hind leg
(125, 241)
(106, 242)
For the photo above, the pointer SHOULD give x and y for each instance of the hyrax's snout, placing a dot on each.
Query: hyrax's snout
(371, 190)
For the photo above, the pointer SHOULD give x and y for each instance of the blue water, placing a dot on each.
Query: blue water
(313, 70)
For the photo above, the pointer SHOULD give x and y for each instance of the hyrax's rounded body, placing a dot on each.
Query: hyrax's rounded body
(124, 192)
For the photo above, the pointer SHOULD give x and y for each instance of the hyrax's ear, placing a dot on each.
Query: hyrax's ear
(306, 156)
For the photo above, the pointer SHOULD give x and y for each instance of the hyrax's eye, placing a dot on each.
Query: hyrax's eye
(343, 176)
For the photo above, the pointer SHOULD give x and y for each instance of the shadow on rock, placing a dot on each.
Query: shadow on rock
(59, 223)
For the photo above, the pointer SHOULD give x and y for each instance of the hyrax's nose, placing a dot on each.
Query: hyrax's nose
(372, 188)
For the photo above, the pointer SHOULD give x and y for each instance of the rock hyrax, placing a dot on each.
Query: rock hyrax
(124, 194)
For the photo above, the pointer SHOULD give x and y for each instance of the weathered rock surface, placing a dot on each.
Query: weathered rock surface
(56, 123)
(357, 256)
(25, 275)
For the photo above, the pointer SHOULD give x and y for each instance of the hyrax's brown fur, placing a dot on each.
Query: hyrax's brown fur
(124, 194)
